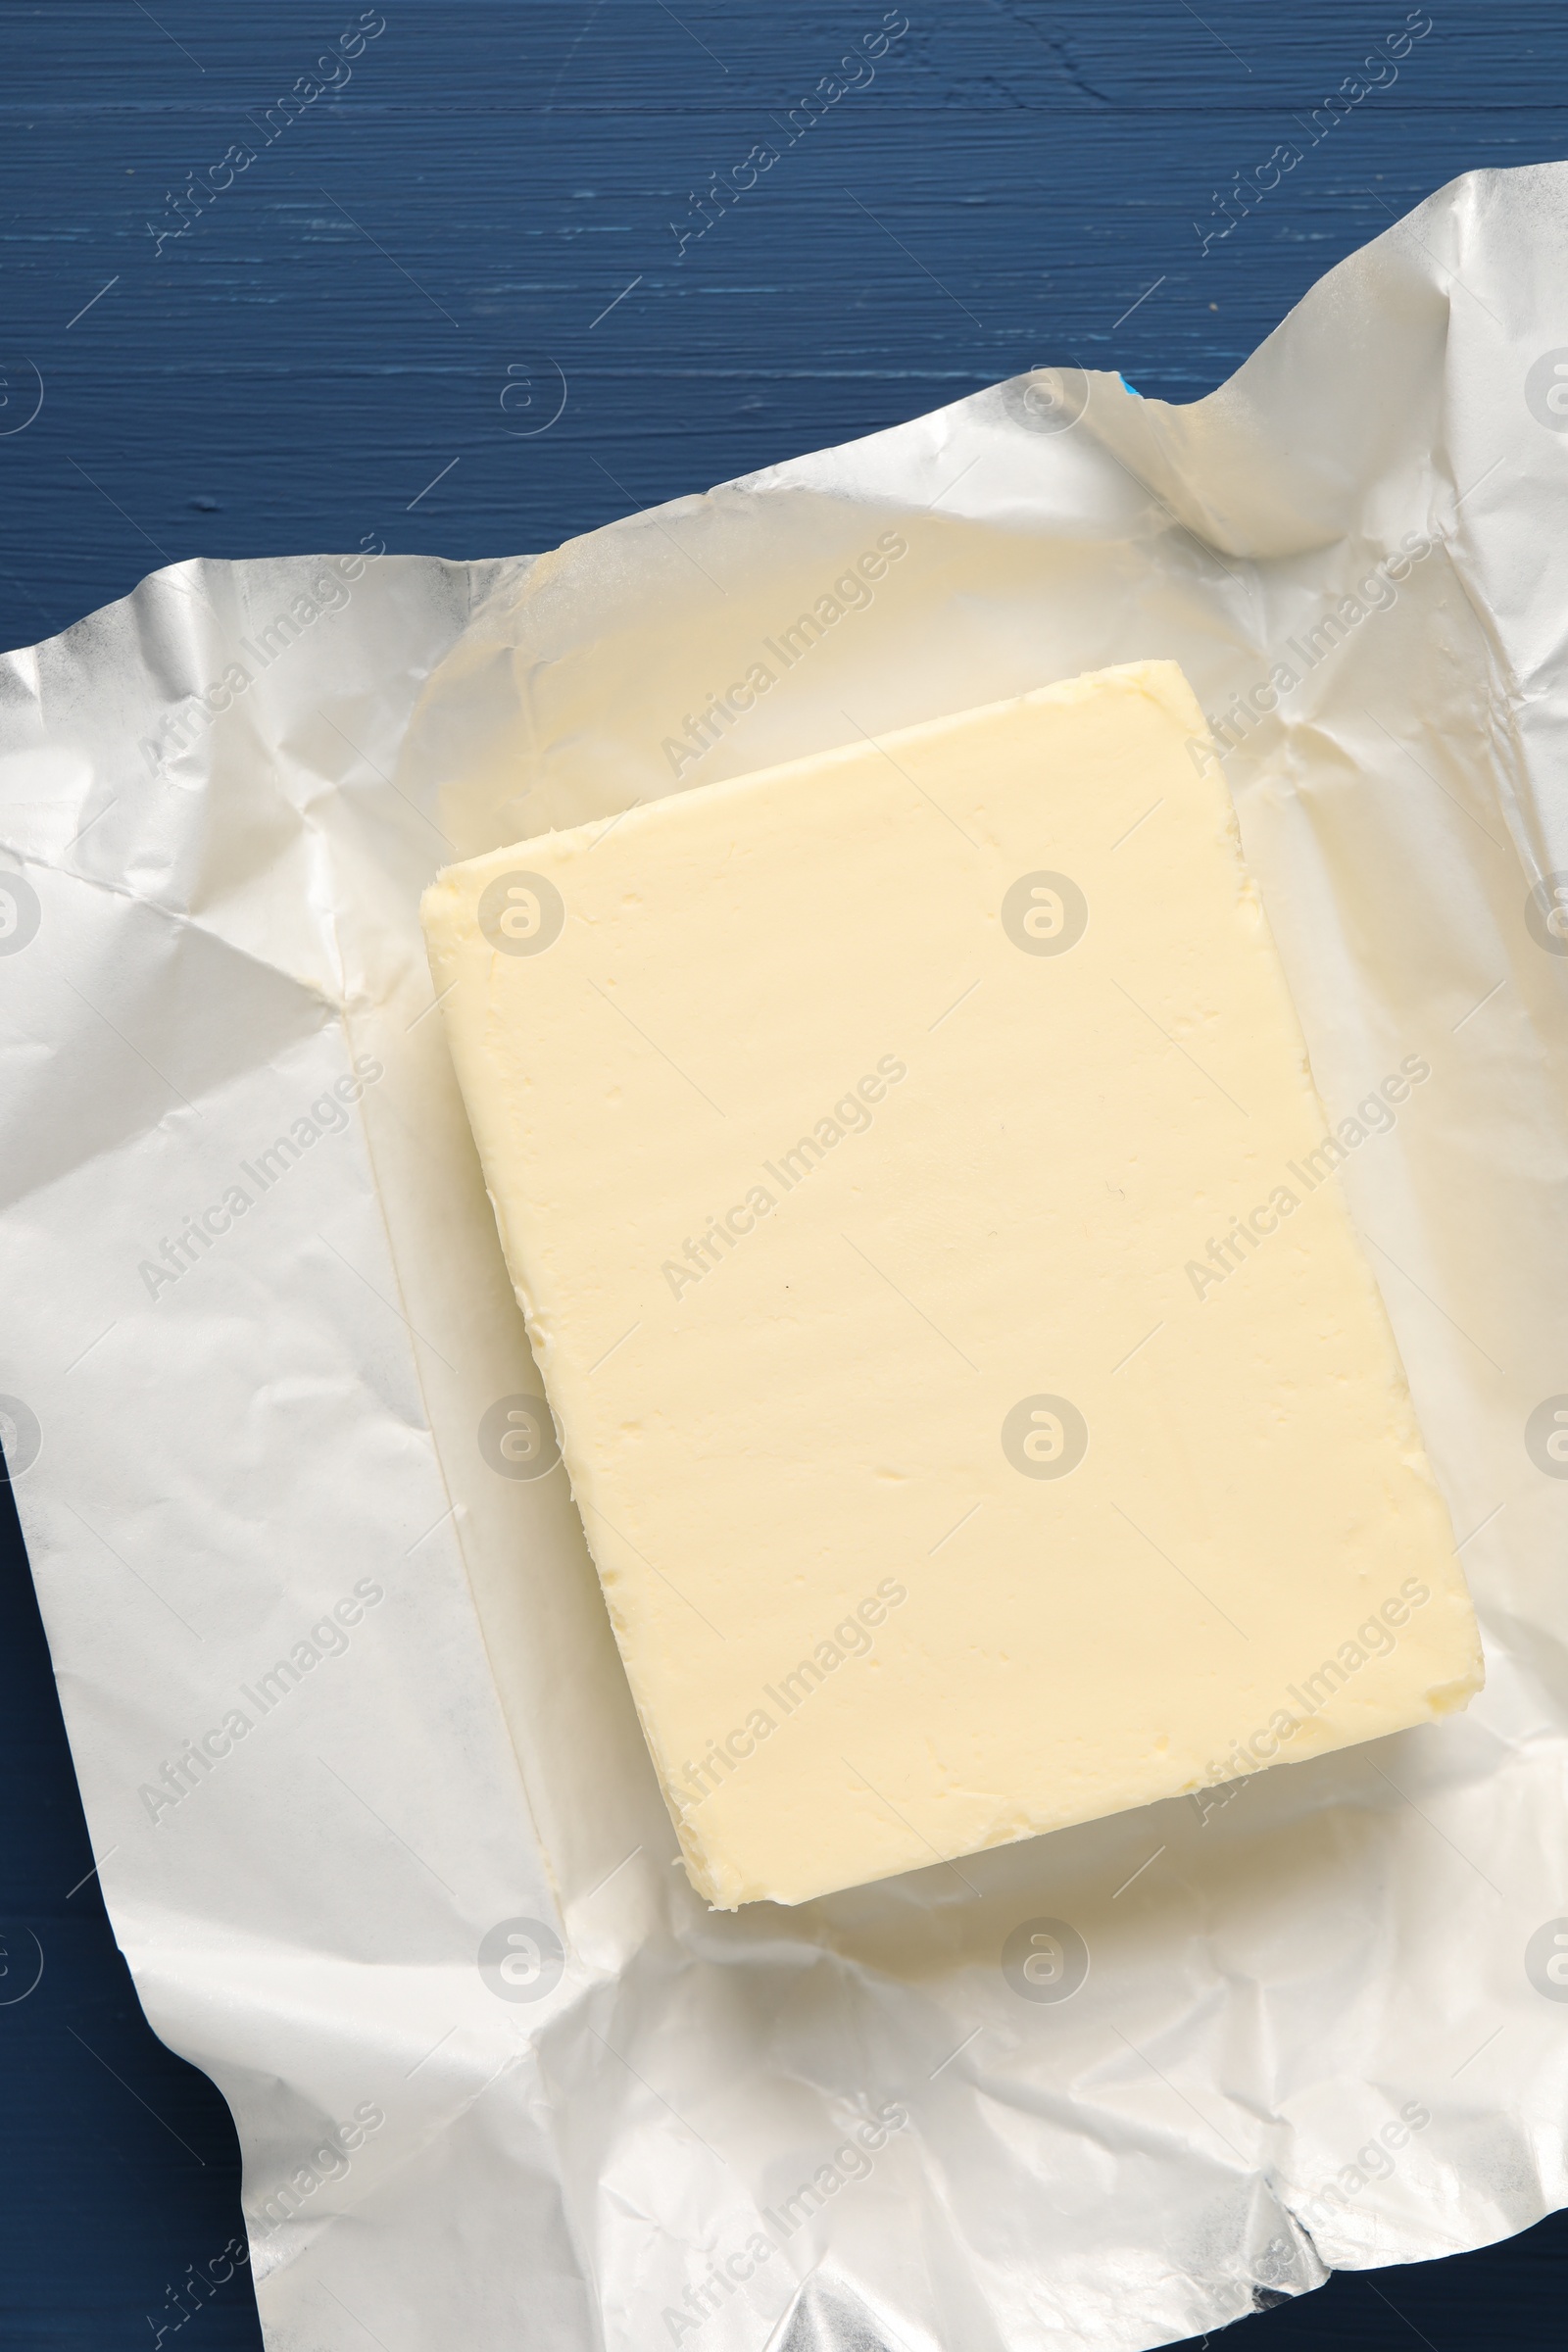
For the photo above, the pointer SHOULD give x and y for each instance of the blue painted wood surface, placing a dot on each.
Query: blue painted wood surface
(473, 284)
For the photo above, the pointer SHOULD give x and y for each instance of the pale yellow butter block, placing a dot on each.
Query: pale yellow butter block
(868, 1140)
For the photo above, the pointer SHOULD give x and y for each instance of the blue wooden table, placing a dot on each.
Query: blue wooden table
(471, 275)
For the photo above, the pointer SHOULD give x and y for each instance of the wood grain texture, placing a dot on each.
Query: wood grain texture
(360, 334)
(337, 325)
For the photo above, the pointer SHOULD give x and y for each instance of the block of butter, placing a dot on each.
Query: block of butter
(980, 1411)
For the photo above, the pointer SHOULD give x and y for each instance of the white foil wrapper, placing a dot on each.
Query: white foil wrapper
(380, 1838)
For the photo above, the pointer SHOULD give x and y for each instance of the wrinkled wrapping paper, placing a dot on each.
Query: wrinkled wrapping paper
(497, 2075)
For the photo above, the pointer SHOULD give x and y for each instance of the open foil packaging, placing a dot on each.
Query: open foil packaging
(379, 1836)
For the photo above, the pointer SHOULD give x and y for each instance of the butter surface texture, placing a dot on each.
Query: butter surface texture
(982, 1413)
